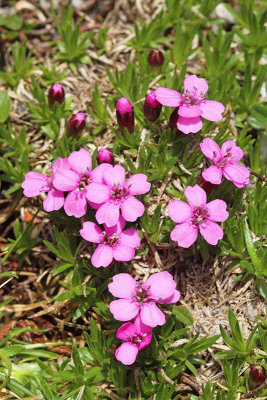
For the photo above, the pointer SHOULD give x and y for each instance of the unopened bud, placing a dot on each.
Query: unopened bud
(76, 124)
(155, 58)
(56, 94)
(105, 156)
(152, 108)
(257, 376)
(125, 114)
(207, 186)
(173, 119)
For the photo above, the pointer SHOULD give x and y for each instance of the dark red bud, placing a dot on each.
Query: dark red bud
(207, 186)
(76, 124)
(152, 108)
(155, 58)
(125, 114)
(173, 119)
(56, 94)
(257, 376)
(105, 156)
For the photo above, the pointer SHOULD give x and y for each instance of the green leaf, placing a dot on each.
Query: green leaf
(262, 287)
(183, 315)
(5, 106)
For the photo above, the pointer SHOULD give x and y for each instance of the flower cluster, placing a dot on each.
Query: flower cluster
(138, 300)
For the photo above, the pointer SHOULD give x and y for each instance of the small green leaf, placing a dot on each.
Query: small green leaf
(5, 106)
(183, 315)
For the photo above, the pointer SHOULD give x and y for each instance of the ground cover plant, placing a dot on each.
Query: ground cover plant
(133, 200)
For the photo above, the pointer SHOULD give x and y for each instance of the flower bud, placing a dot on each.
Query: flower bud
(105, 156)
(125, 114)
(76, 124)
(173, 119)
(207, 186)
(155, 58)
(152, 108)
(257, 376)
(56, 94)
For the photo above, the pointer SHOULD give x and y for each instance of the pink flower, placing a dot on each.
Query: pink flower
(56, 94)
(136, 336)
(152, 108)
(76, 124)
(116, 194)
(138, 297)
(191, 103)
(105, 156)
(197, 216)
(224, 163)
(36, 183)
(77, 179)
(113, 242)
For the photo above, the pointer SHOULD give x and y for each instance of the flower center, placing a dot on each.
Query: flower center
(200, 214)
(111, 240)
(227, 157)
(141, 294)
(192, 98)
(136, 339)
(84, 181)
(118, 193)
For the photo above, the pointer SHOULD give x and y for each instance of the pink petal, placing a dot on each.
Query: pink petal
(138, 184)
(132, 208)
(189, 125)
(108, 213)
(145, 342)
(124, 309)
(151, 315)
(66, 180)
(211, 149)
(130, 237)
(91, 232)
(80, 161)
(54, 200)
(211, 110)
(117, 229)
(122, 286)
(235, 151)
(161, 285)
(168, 97)
(172, 299)
(126, 331)
(97, 193)
(75, 204)
(126, 353)
(102, 257)
(60, 163)
(217, 210)
(236, 173)
(196, 196)
(213, 174)
(211, 232)
(34, 184)
(140, 327)
(195, 85)
(179, 211)
(97, 174)
(123, 253)
(189, 111)
(184, 234)
(114, 176)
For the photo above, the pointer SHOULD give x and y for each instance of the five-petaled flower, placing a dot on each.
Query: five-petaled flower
(136, 336)
(140, 297)
(77, 179)
(36, 183)
(197, 216)
(224, 163)
(116, 195)
(113, 242)
(192, 104)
